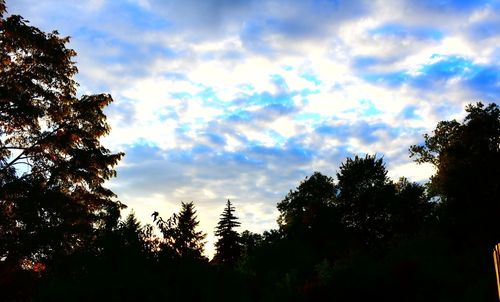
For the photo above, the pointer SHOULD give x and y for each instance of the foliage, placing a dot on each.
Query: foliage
(228, 246)
(180, 234)
(309, 210)
(366, 196)
(52, 164)
(467, 158)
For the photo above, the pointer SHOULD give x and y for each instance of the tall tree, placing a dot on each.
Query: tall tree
(366, 196)
(52, 164)
(467, 160)
(228, 246)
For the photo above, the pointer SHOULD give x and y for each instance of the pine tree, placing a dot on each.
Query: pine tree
(228, 246)
(188, 241)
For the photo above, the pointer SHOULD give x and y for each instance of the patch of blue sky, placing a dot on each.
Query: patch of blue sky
(180, 95)
(121, 51)
(315, 117)
(258, 149)
(365, 61)
(223, 158)
(141, 18)
(336, 131)
(265, 98)
(366, 132)
(485, 29)
(449, 66)
(252, 37)
(207, 93)
(307, 91)
(180, 156)
(248, 87)
(183, 128)
(369, 108)
(287, 68)
(295, 28)
(408, 113)
(485, 81)
(216, 139)
(277, 138)
(170, 114)
(481, 78)
(311, 78)
(142, 142)
(299, 153)
(174, 76)
(401, 31)
(453, 5)
(200, 149)
(390, 79)
(239, 115)
(279, 82)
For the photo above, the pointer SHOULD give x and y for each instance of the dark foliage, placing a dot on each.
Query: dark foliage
(228, 246)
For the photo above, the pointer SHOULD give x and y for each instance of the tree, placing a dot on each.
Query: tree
(411, 211)
(228, 246)
(365, 197)
(467, 160)
(309, 210)
(52, 164)
(189, 241)
(179, 232)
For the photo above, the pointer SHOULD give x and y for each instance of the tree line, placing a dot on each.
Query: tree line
(354, 237)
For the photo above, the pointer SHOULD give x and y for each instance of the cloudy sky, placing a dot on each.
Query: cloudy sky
(219, 99)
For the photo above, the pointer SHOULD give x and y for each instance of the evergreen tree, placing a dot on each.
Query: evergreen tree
(179, 232)
(228, 246)
(188, 241)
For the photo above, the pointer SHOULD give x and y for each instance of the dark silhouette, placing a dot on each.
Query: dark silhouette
(228, 246)
(180, 234)
(52, 164)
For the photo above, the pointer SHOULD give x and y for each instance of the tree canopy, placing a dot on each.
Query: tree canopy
(467, 159)
(52, 164)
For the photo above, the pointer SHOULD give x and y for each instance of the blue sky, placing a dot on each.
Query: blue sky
(239, 99)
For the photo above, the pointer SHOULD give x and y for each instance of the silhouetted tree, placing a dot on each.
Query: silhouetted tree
(411, 210)
(467, 158)
(366, 196)
(249, 242)
(228, 246)
(189, 241)
(308, 212)
(180, 234)
(52, 164)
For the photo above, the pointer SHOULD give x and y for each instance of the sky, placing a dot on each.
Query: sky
(241, 100)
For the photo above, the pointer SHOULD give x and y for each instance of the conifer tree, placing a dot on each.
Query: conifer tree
(228, 246)
(188, 241)
(179, 232)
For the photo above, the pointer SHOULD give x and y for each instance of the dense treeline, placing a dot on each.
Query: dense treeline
(356, 237)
